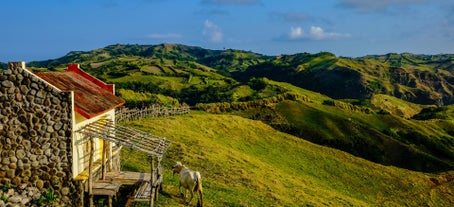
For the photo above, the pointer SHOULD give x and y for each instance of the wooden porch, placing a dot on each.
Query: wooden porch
(110, 182)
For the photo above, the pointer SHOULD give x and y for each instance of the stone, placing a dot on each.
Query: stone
(60, 174)
(39, 184)
(10, 173)
(33, 157)
(18, 97)
(7, 84)
(16, 181)
(24, 89)
(19, 77)
(63, 146)
(13, 159)
(41, 94)
(12, 166)
(26, 144)
(65, 191)
(20, 154)
(33, 91)
(10, 192)
(26, 173)
(25, 200)
(27, 166)
(5, 161)
(12, 78)
(15, 199)
(30, 98)
(20, 164)
(38, 101)
(12, 90)
(55, 180)
(35, 164)
(55, 101)
(48, 152)
(43, 162)
(50, 129)
(58, 126)
(47, 102)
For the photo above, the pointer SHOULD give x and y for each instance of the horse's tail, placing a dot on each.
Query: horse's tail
(198, 188)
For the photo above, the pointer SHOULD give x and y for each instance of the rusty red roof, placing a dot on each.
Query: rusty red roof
(92, 97)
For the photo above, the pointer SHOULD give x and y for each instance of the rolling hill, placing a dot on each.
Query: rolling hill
(423, 79)
(247, 163)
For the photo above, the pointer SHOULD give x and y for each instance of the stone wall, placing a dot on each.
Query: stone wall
(35, 134)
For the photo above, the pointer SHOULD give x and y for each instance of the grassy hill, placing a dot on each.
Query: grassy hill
(372, 115)
(247, 163)
(379, 129)
(421, 79)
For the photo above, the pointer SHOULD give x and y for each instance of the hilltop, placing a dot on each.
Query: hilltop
(247, 163)
(422, 79)
(392, 109)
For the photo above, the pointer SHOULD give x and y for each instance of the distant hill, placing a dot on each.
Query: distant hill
(393, 109)
(423, 79)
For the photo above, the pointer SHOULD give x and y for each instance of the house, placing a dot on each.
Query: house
(58, 132)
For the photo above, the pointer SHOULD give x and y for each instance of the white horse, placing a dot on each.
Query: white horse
(190, 180)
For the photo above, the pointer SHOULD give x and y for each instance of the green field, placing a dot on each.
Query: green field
(247, 163)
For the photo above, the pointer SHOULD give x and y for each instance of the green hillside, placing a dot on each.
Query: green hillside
(370, 107)
(248, 163)
(421, 79)
(384, 129)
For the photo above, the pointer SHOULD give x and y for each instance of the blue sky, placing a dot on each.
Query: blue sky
(48, 29)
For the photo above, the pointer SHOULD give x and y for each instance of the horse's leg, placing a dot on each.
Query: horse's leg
(190, 199)
(179, 190)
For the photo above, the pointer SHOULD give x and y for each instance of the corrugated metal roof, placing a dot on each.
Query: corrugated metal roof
(90, 99)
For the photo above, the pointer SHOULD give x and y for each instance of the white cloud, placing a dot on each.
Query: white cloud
(165, 36)
(318, 33)
(315, 33)
(296, 33)
(212, 31)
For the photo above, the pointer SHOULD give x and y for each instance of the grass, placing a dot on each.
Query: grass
(247, 163)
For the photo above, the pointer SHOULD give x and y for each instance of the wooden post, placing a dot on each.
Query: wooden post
(104, 150)
(109, 202)
(90, 176)
(152, 181)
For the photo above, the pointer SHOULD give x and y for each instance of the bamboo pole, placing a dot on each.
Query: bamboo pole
(104, 150)
(90, 176)
(152, 181)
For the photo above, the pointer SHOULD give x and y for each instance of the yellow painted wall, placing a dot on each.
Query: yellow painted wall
(81, 144)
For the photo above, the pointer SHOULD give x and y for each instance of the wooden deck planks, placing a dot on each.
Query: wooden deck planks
(104, 187)
(128, 178)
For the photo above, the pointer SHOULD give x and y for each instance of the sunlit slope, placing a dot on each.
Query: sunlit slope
(379, 129)
(248, 163)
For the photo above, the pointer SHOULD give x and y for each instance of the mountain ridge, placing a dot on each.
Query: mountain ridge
(423, 79)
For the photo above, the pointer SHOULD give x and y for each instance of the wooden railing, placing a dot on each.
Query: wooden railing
(125, 114)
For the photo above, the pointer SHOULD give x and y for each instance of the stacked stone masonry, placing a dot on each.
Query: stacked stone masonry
(35, 134)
